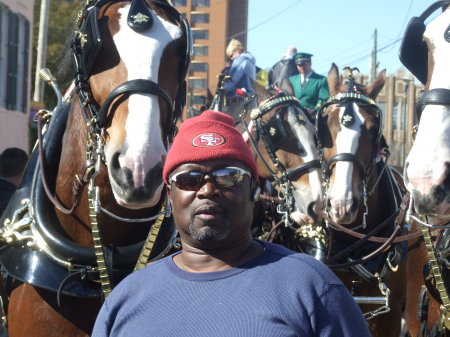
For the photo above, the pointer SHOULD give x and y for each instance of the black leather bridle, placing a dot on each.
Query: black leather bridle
(347, 100)
(87, 42)
(273, 135)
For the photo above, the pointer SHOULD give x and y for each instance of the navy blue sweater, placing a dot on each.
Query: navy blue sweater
(279, 293)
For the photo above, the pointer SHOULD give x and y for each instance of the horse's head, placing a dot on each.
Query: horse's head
(132, 58)
(287, 153)
(427, 167)
(349, 131)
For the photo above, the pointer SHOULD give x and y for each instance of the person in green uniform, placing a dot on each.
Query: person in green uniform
(310, 88)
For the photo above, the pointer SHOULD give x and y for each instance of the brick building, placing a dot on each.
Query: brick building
(213, 24)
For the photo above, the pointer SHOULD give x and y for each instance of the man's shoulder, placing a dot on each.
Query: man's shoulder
(289, 264)
(294, 78)
(317, 76)
(291, 256)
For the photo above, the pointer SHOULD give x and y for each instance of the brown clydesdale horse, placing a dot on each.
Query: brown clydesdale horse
(281, 135)
(425, 51)
(362, 201)
(93, 210)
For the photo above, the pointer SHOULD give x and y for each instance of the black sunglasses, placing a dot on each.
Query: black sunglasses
(194, 180)
(302, 64)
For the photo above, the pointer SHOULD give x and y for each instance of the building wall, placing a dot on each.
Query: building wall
(226, 19)
(16, 22)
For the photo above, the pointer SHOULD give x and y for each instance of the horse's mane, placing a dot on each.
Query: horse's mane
(67, 68)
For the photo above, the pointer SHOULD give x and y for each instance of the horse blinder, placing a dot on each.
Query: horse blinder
(275, 132)
(413, 50)
(87, 42)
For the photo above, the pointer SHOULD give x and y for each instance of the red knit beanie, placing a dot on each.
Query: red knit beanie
(209, 136)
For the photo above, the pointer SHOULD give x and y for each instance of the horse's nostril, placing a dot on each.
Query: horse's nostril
(115, 161)
(355, 205)
(446, 182)
(405, 173)
(311, 209)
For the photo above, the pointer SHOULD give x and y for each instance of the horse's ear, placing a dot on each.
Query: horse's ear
(375, 87)
(262, 92)
(333, 79)
(287, 86)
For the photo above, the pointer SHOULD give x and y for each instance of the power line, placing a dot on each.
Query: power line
(257, 25)
(367, 55)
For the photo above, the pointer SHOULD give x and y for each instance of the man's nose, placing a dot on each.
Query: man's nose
(208, 189)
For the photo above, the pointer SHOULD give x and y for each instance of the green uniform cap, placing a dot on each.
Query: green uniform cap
(299, 57)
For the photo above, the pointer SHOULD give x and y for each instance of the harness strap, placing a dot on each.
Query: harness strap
(350, 157)
(134, 87)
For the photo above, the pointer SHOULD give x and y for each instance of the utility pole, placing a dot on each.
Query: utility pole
(38, 95)
(373, 67)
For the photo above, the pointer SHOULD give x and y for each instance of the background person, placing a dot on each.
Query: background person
(223, 282)
(284, 68)
(12, 164)
(242, 69)
(310, 88)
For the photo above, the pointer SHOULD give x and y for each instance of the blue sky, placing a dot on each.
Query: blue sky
(339, 31)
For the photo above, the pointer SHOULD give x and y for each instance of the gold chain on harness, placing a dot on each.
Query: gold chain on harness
(436, 270)
(151, 239)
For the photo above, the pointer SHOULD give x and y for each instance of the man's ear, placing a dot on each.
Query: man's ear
(256, 191)
(168, 192)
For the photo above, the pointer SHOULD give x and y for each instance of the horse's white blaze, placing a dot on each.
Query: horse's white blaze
(427, 162)
(141, 54)
(347, 139)
(304, 194)
(434, 35)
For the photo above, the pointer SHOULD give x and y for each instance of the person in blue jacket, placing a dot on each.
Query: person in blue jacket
(223, 282)
(242, 70)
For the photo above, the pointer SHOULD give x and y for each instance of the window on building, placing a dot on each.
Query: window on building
(2, 55)
(25, 56)
(199, 66)
(200, 100)
(200, 50)
(179, 2)
(200, 3)
(197, 83)
(382, 106)
(202, 34)
(14, 60)
(200, 18)
(12, 55)
(395, 114)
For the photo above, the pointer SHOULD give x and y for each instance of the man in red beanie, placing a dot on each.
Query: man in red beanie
(223, 282)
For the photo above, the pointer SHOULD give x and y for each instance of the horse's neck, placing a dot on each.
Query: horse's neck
(71, 164)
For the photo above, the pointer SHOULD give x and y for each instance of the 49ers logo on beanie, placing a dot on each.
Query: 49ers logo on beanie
(209, 136)
(208, 139)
